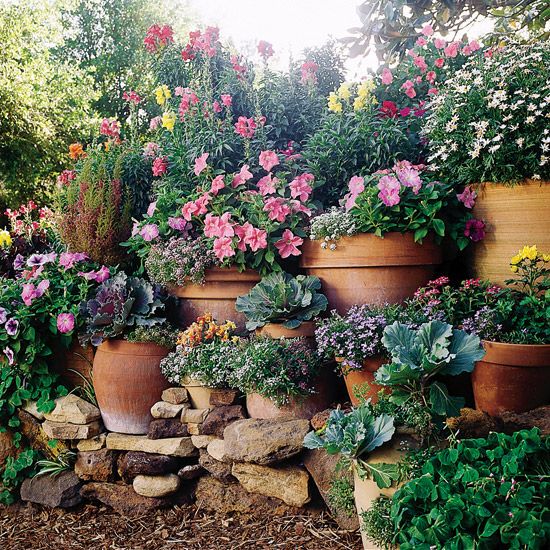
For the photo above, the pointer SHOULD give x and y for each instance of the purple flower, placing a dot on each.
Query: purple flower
(467, 197)
(410, 177)
(151, 209)
(8, 352)
(30, 292)
(475, 230)
(19, 262)
(389, 188)
(41, 259)
(149, 232)
(65, 322)
(3, 315)
(12, 326)
(179, 224)
(98, 276)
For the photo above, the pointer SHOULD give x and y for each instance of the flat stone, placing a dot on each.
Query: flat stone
(58, 491)
(96, 465)
(73, 409)
(173, 446)
(132, 464)
(220, 470)
(37, 437)
(216, 449)
(194, 429)
(166, 410)
(194, 416)
(161, 428)
(94, 444)
(32, 408)
(288, 483)
(220, 398)
(176, 396)
(220, 417)
(319, 420)
(191, 471)
(264, 441)
(156, 486)
(202, 441)
(322, 468)
(64, 430)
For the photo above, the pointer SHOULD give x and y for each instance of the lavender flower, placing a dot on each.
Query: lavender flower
(12, 326)
(3, 315)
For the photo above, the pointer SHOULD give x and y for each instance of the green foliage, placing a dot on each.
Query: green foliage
(15, 471)
(282, 298)
(377, 523)
(479, 493)
(340, 496)
(63, 462)
(164, 336)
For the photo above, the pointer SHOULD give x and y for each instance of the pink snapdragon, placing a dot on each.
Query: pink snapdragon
(277, 209)
(151, 150)
(223, 248)
(155, 122)
(387, 76)
(66, 177)
(30, 293)
(408, 87)
(439, 62)
(420, 62)
(467, 197)
(266, 185)
(131, 97)
(218, 226)
(110, 128)
(389, 188)
(149, 232)
(288, 244)
(160, 166)
(65, 322)
(265, 49)
(158, 37)
(309, 72)
(227, 100)
(246, 127)
(200, 163)
(300, 188)
(268, 159)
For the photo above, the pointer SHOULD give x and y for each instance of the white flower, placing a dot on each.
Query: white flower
(494, 148)
(535, 177)
(530, 119)
(520, 141)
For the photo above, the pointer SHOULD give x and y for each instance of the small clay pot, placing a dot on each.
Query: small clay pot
(277, 331)
(199, 394)
(360, 377)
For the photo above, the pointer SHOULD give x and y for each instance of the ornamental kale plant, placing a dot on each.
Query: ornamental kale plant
(281, 298)
(479, 493)
(119, 304)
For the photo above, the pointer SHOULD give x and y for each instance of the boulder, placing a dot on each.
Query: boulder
(288, 483)
(163, 428)
(194, 416)
(194, 429)
(57, 491)
(133, 464)
(220, 398)
(37, 438)
(202, 441)
(156, 486)
(74, 410)
(220, 417)
(191, 471)
(176, 396)
(166, 410)
(94, 444)
(320, 419)
(65, 430)
(173, 446)
(32, 408)
(220, 470)
(216, 449)
(96, 465)
(264, 441)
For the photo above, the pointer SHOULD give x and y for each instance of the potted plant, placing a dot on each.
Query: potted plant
(126, 375)
(383, 245)
(283, 306)
(203, 359)
(281, 378)
(496, 146)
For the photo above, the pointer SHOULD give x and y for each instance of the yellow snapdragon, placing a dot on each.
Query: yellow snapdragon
(366, 88)
(5, 239)
(169, 120)
(359, 103)
(344, 91)
(334, 103)
(163, 94)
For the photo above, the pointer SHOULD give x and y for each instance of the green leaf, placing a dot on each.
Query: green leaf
(442, 403)
(383, 474)
(439, 226)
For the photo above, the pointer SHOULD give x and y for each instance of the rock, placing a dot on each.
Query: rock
(220, 470)
(64, 430)
(220, 417)
(173, 446)
(123, 498)
(322, 468)
(166, 410)
(225, 498)
(58, 491)
(264, 441)
(320, 419)
(220, 398)
(162, 428)
(472, 423)
(37, 438)
(7, 448)
(216, 449)
(202, 441)
(194, 416)
(156, 486)
(176, 396)
(73, 409)
(288, 483)
(96, 465)
(32, 408)
(194, 429)
(94, 444)
(133, 464)
(539, 418)
(191, 471)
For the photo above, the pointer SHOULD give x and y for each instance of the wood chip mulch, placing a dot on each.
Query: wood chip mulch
(32, 527)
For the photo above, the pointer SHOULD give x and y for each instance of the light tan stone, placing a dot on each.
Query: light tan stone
(172, 446)
(156, 486)
(176, 396)
(65, 430)
(194, 429)
(216, 449)
(94, 444)
(162, 409)
(194, 416)
(32, 408)
(73, 409)
(202, 441)
(289, 483)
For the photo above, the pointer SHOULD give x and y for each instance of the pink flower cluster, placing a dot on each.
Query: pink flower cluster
(265, 49)
(356, 186)
(132, 97)
(467, 197)
(160, 166)
(201, 42)
(246, 127)
(309, 72)
(237, 67)
(110, 128)
(30, 292)
(66, 177)
(158, 37)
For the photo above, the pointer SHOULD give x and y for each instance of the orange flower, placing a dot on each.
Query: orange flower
(76, 151)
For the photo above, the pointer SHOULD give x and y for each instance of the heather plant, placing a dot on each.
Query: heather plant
(162, 335)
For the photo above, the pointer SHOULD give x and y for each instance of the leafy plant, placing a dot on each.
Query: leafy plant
(281, 298)
(62, 463)
(340, 496)
(164, 335)
(377, 522)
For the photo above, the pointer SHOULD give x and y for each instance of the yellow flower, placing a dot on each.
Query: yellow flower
(529, 252)
(365, 88)
(162, 93)
(545, 257)
(358, 103)
(334, 104)
(343, 92)
(5, 239)
(169, 120)
(516, 259)
(514, 268)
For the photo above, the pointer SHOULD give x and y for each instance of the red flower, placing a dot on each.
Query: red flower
(388, 109)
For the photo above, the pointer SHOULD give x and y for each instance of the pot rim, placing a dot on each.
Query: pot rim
(515, 355)
(120, 346)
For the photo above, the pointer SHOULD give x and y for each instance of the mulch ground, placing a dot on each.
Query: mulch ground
(32, 527)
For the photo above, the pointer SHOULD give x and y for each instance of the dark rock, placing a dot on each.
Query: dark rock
(322, 468)
(136, 463)
(96, 465)
(539, 418)
(264, 441)
(167, 427)
(472, 423)
(192, 471)
(7, 448)
(220, 418)
(320, 419)
(58, 491)
(220, 470)
(220, 398)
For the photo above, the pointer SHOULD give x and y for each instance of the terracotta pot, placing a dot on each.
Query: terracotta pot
(277, 331)
(217, 295)
(74, 365)
(199, 394)
(127, 383)
(365, 375)
(512, 377)
(514, 216)
(366, 269)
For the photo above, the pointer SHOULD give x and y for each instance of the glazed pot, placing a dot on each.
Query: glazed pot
(515, 216)
(74, 365)
(366, 269)
(277, 331)
(199, 394)
(127, 383)
(512, 377)
(221, 288)
(363, 376)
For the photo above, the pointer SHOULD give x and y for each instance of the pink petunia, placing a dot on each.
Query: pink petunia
(267, 184)
(467, 197)
(189, 209)
(277, 209)
(69, 259)
(256, 239)
(409, 177)
(149, 232)
(439, 43)
(288, 244)
(452, 49)
(387, 76)
(151, 208)
(222, 248)
(29, 292)
(218, 226)
(300, 188)
(201, 204)
(200, 163)
(427, 30)
(439, 62)
(65, 322)
(268, 159)
(216, 107)
(475, 230)
(218, 184)
(242, 177)
(99, 276)
(389, 187)
(431, 76)
(420, 62)
(241, 231)
(420, 41)
(356, 186)
(179, 224)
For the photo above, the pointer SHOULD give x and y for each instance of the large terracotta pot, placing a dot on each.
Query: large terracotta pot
(127, 383)
(74, 365)
(277, 331)
(366, 269)
(363, 376)
(512, 377)
(514, 216)
(221, 288)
